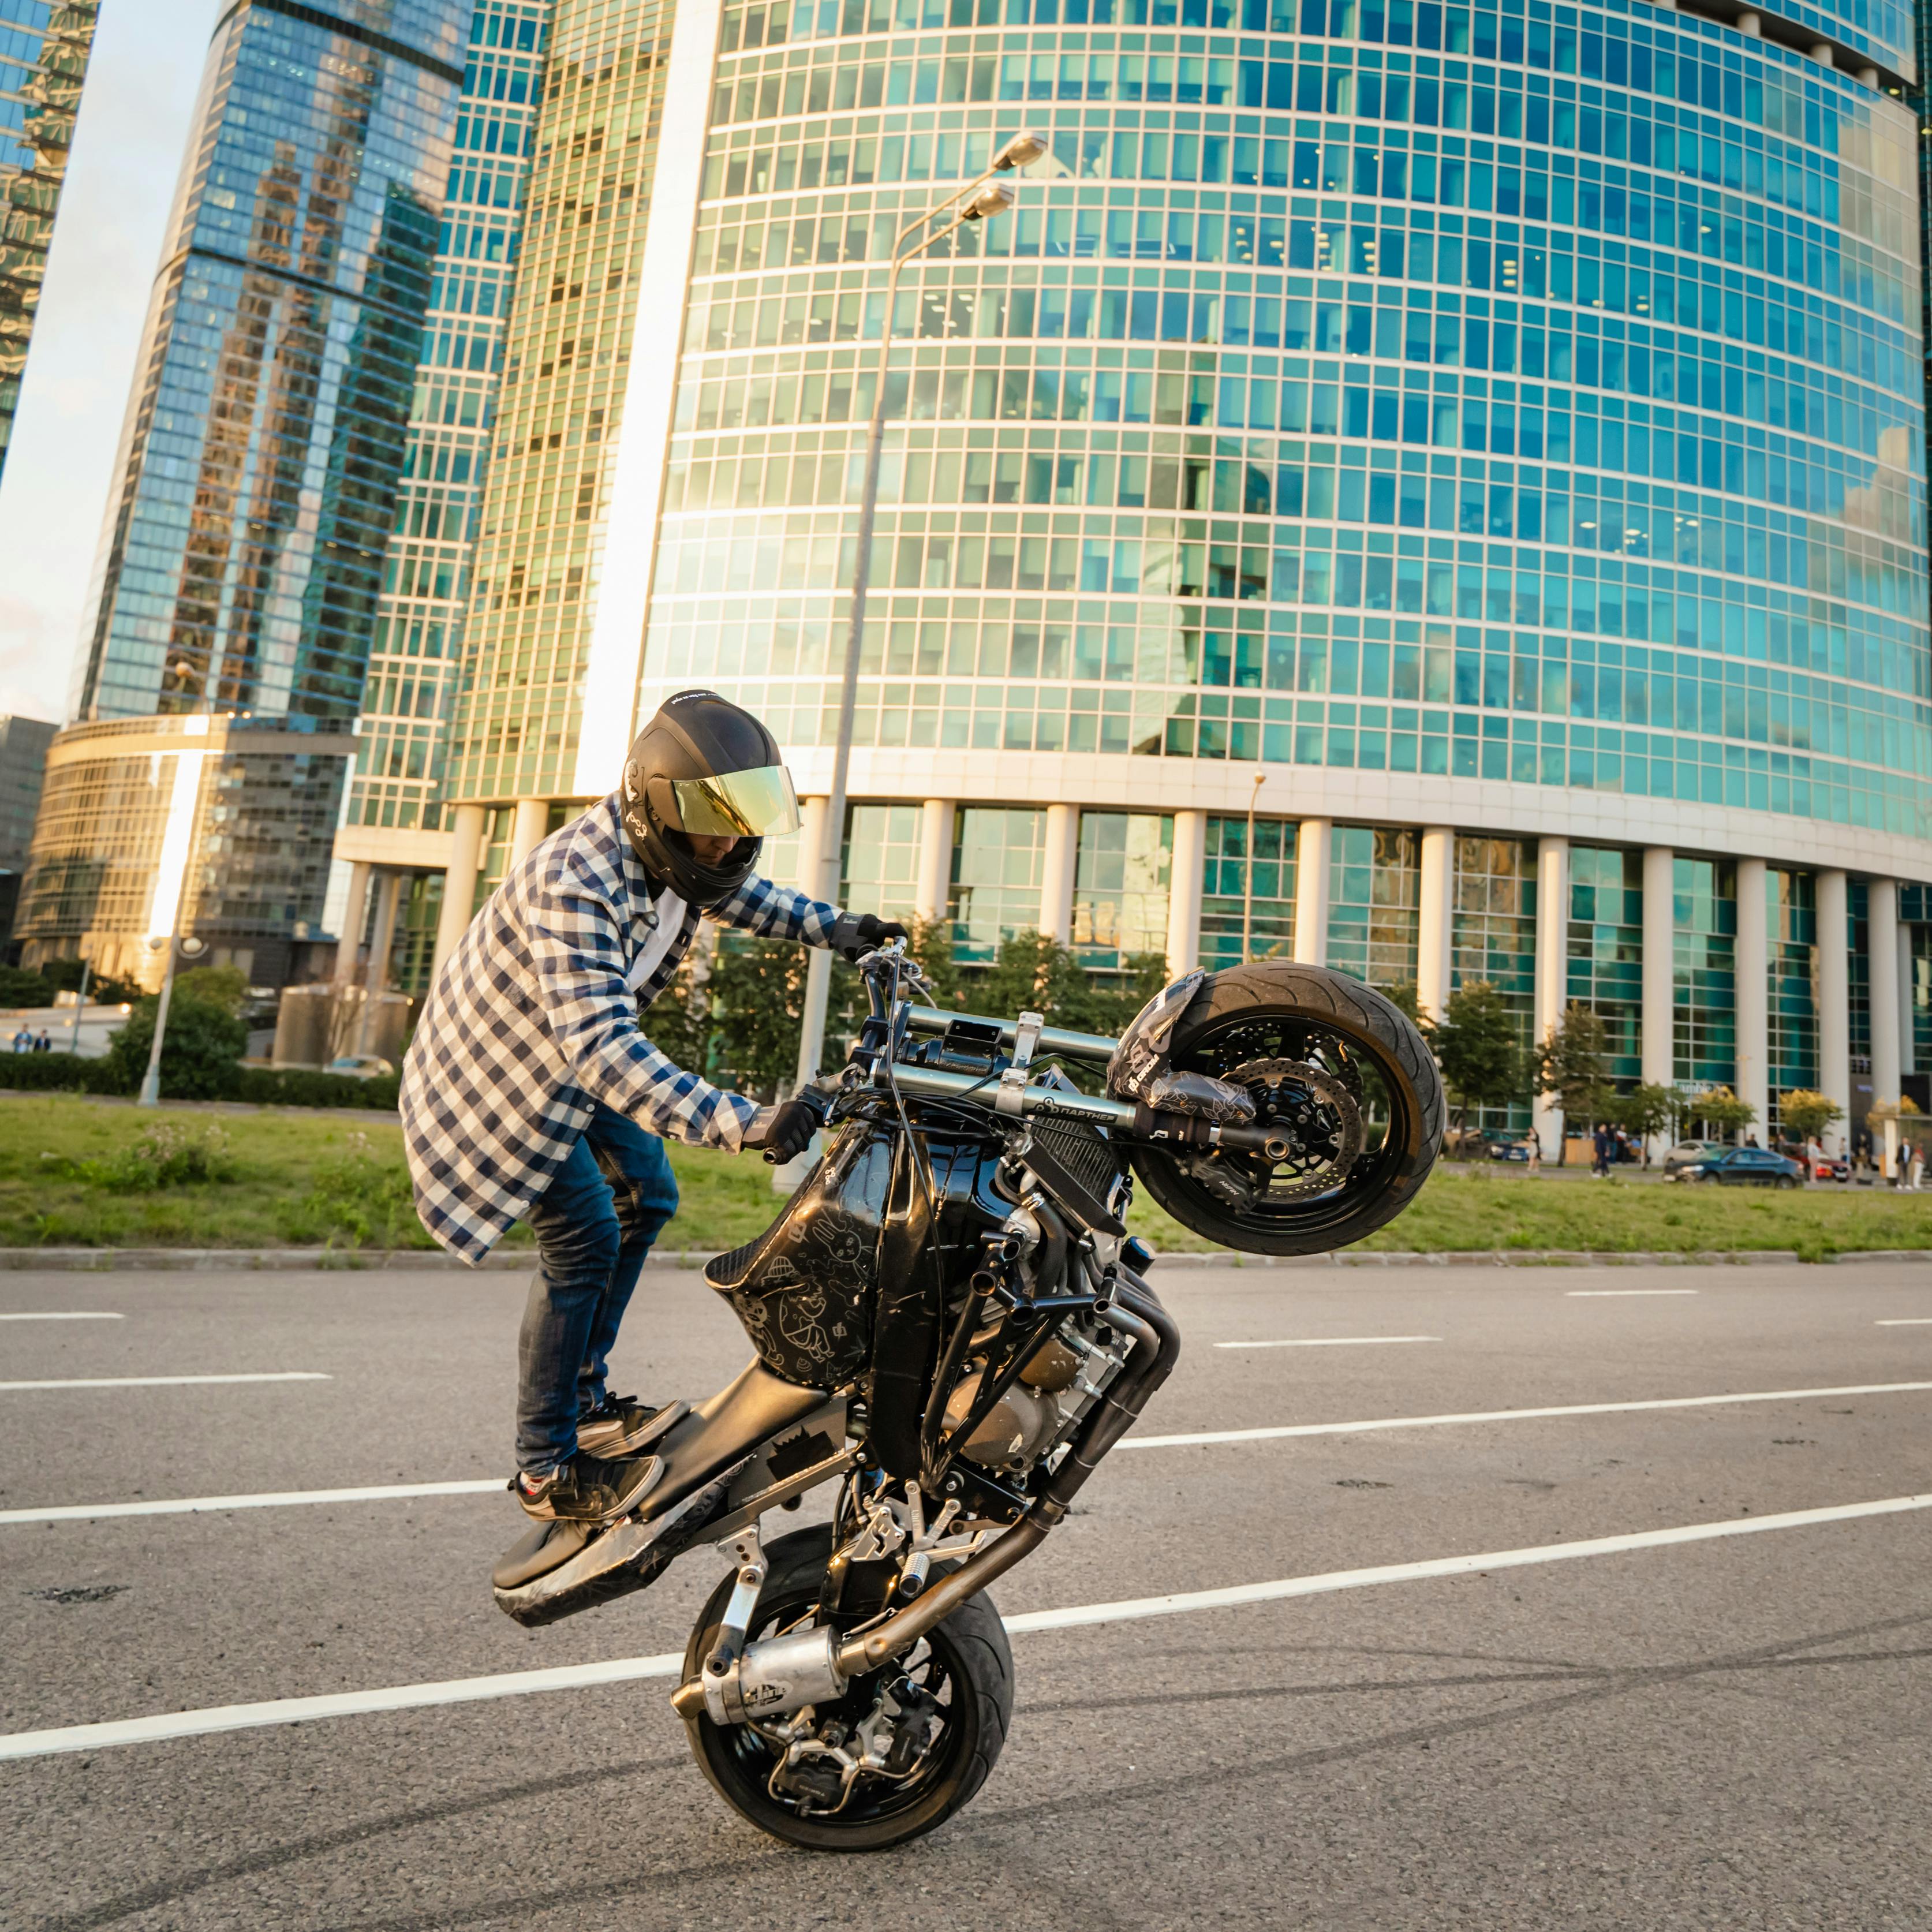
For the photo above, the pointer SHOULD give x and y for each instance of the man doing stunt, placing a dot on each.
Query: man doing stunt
(531, 1092)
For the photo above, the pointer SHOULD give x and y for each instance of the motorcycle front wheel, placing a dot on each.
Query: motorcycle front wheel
(961, 1679)
(1330, 1062)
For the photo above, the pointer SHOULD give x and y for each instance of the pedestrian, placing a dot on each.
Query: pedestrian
(531, 1092)
(22, 1039)
(1603, 1146)
(45, 1043)
(1750, 1140)
(1535, 1144)
(1915, 1178)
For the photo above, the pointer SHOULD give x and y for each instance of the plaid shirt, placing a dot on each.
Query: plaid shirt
(532, 1017)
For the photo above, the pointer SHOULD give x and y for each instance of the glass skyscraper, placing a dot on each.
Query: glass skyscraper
(241, 565)
(1435, 490)
(392, 824)
(43, 52)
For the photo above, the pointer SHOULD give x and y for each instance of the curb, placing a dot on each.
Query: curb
(243, 1261)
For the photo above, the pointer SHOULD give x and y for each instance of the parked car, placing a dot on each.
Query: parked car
(1687, 1152)
(1832, 1167)
(360, 1066)
(1477, 1144)
(1509, 1146)
(1743, 1167)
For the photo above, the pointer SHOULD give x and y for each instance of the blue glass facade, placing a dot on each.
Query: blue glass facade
(418, 631)
(241, 564)
(1523, 395)
(44, 46)
(242, 561)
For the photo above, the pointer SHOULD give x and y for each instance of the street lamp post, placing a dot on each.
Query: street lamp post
(1248, 890)
(190, 949)
(979, 200)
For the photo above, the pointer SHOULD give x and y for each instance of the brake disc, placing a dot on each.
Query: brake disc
(1322, 1119)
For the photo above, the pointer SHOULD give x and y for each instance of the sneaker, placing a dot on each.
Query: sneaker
(621, 1425)
(586, 1490)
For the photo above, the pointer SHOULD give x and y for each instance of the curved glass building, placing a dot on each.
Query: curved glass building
(1432, 490)
(242, 559)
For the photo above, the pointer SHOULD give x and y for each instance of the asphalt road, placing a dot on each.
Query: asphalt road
(1725, 1733)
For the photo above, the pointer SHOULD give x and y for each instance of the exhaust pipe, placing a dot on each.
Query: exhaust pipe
(784, 1674)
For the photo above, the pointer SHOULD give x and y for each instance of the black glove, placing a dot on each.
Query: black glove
(784, 1132)
(858, 933)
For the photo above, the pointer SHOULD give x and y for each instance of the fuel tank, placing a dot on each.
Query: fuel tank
(808, 1289)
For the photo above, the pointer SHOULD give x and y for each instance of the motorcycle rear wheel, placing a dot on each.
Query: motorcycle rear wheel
(1274, 1013)
(966, 1662)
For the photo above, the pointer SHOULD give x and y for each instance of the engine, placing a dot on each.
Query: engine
(1037, 1412)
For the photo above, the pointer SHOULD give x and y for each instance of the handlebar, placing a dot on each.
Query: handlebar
(1052, 1039)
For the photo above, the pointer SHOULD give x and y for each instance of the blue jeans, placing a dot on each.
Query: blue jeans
(594, 1225)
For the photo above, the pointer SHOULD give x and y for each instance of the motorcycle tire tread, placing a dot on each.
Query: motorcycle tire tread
(1275, 986)
(797, 1562)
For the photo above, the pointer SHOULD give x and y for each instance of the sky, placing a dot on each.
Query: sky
(135, 115)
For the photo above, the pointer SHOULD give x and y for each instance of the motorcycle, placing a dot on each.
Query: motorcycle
(953, 1327)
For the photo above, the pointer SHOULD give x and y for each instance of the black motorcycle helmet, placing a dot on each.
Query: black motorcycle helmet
(703, 765)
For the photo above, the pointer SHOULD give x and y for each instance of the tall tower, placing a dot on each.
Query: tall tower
(43, 55)
(241, 565)
(393, 846)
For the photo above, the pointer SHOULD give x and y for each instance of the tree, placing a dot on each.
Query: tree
(1645, 1111)
(1721, 1111)
(64, 976)
(1570, 1064)
(1806, 1113)
(1477, 1048)
(1033, 973)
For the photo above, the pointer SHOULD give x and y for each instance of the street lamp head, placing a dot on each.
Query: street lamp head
(193, 948)
(1025, 147)
(995, 198)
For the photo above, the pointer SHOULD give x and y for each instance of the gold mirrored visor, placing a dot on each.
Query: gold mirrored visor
(758, 804)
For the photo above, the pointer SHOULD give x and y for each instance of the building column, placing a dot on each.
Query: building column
(353, 916)
(1881, 941)
(1436, 936)
(1312, 837)
(811, 842)
(1834, 1000)
(1656, 1045)
(527, 829)
(459, 882)
(1186, 877)
(1908, 1047)
(388, 894)
(1552, 926)
(1060, 865)
(935, 860)
(1752, 960)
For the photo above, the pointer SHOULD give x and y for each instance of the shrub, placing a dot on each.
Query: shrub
(20, 988)
(58, 1072)
(299, 1086)
(200, 1055)
(166, 1155)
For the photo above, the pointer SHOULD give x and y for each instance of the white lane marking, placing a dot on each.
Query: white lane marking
(1589, 1294)
(1331, 1341)
(338, 1704)
(397, 1492)
(1905, 1321)
(66, 1315)
(268, 1499)
(1507, 1415)
(1133, 1609)
(167, 1381)
(670, 1663)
